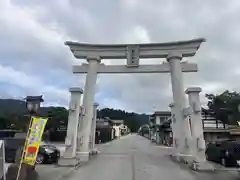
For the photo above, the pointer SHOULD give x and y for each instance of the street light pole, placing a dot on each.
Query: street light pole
(33, 105)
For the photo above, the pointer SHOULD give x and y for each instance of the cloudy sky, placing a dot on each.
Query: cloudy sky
(34, 59)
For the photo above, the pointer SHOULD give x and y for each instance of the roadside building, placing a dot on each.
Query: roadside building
(160, 126)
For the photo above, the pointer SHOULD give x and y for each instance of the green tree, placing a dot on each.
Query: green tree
(131, 119)
(58, 116)
(224, 106)
(133, 123)
(3, 122)
(14, 114)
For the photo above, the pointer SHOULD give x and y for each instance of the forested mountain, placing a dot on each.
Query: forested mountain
(132, 120)
(14, 114)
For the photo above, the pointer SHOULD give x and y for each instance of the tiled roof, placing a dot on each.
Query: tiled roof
(34, 98)
(159, 113)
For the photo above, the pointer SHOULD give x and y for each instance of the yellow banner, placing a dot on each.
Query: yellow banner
(34, 139)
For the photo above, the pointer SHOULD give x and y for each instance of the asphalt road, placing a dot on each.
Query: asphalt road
(53, 172)
(133, 158)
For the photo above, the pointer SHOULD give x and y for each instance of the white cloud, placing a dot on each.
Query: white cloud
(212, 87)
(33, 85)
(32, 34)
(136, 35)
(24, 20)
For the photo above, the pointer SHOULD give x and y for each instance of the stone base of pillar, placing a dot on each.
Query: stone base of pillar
(158, 140)
(83, 156)
(183, 158)
(68, 162)
(95, 151)
(202, 166)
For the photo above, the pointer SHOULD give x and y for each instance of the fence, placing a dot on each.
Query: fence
(102, 135)
(8, 133)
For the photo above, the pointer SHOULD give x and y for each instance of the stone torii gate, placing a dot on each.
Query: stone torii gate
(172, 51)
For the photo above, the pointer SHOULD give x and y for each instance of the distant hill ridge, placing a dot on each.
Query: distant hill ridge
(18, 107)
(10, 108)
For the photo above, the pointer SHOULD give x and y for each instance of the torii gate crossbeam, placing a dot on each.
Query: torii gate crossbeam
(121, 69)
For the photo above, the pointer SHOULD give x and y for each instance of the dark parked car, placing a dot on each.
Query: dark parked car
(47, 153)
(225, 152)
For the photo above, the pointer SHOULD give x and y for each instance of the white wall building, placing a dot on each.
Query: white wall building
(117, 131)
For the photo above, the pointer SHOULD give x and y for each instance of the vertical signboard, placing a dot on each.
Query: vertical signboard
(34, 139)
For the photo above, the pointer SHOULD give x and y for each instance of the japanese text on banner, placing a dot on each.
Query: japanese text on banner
(34, 139)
